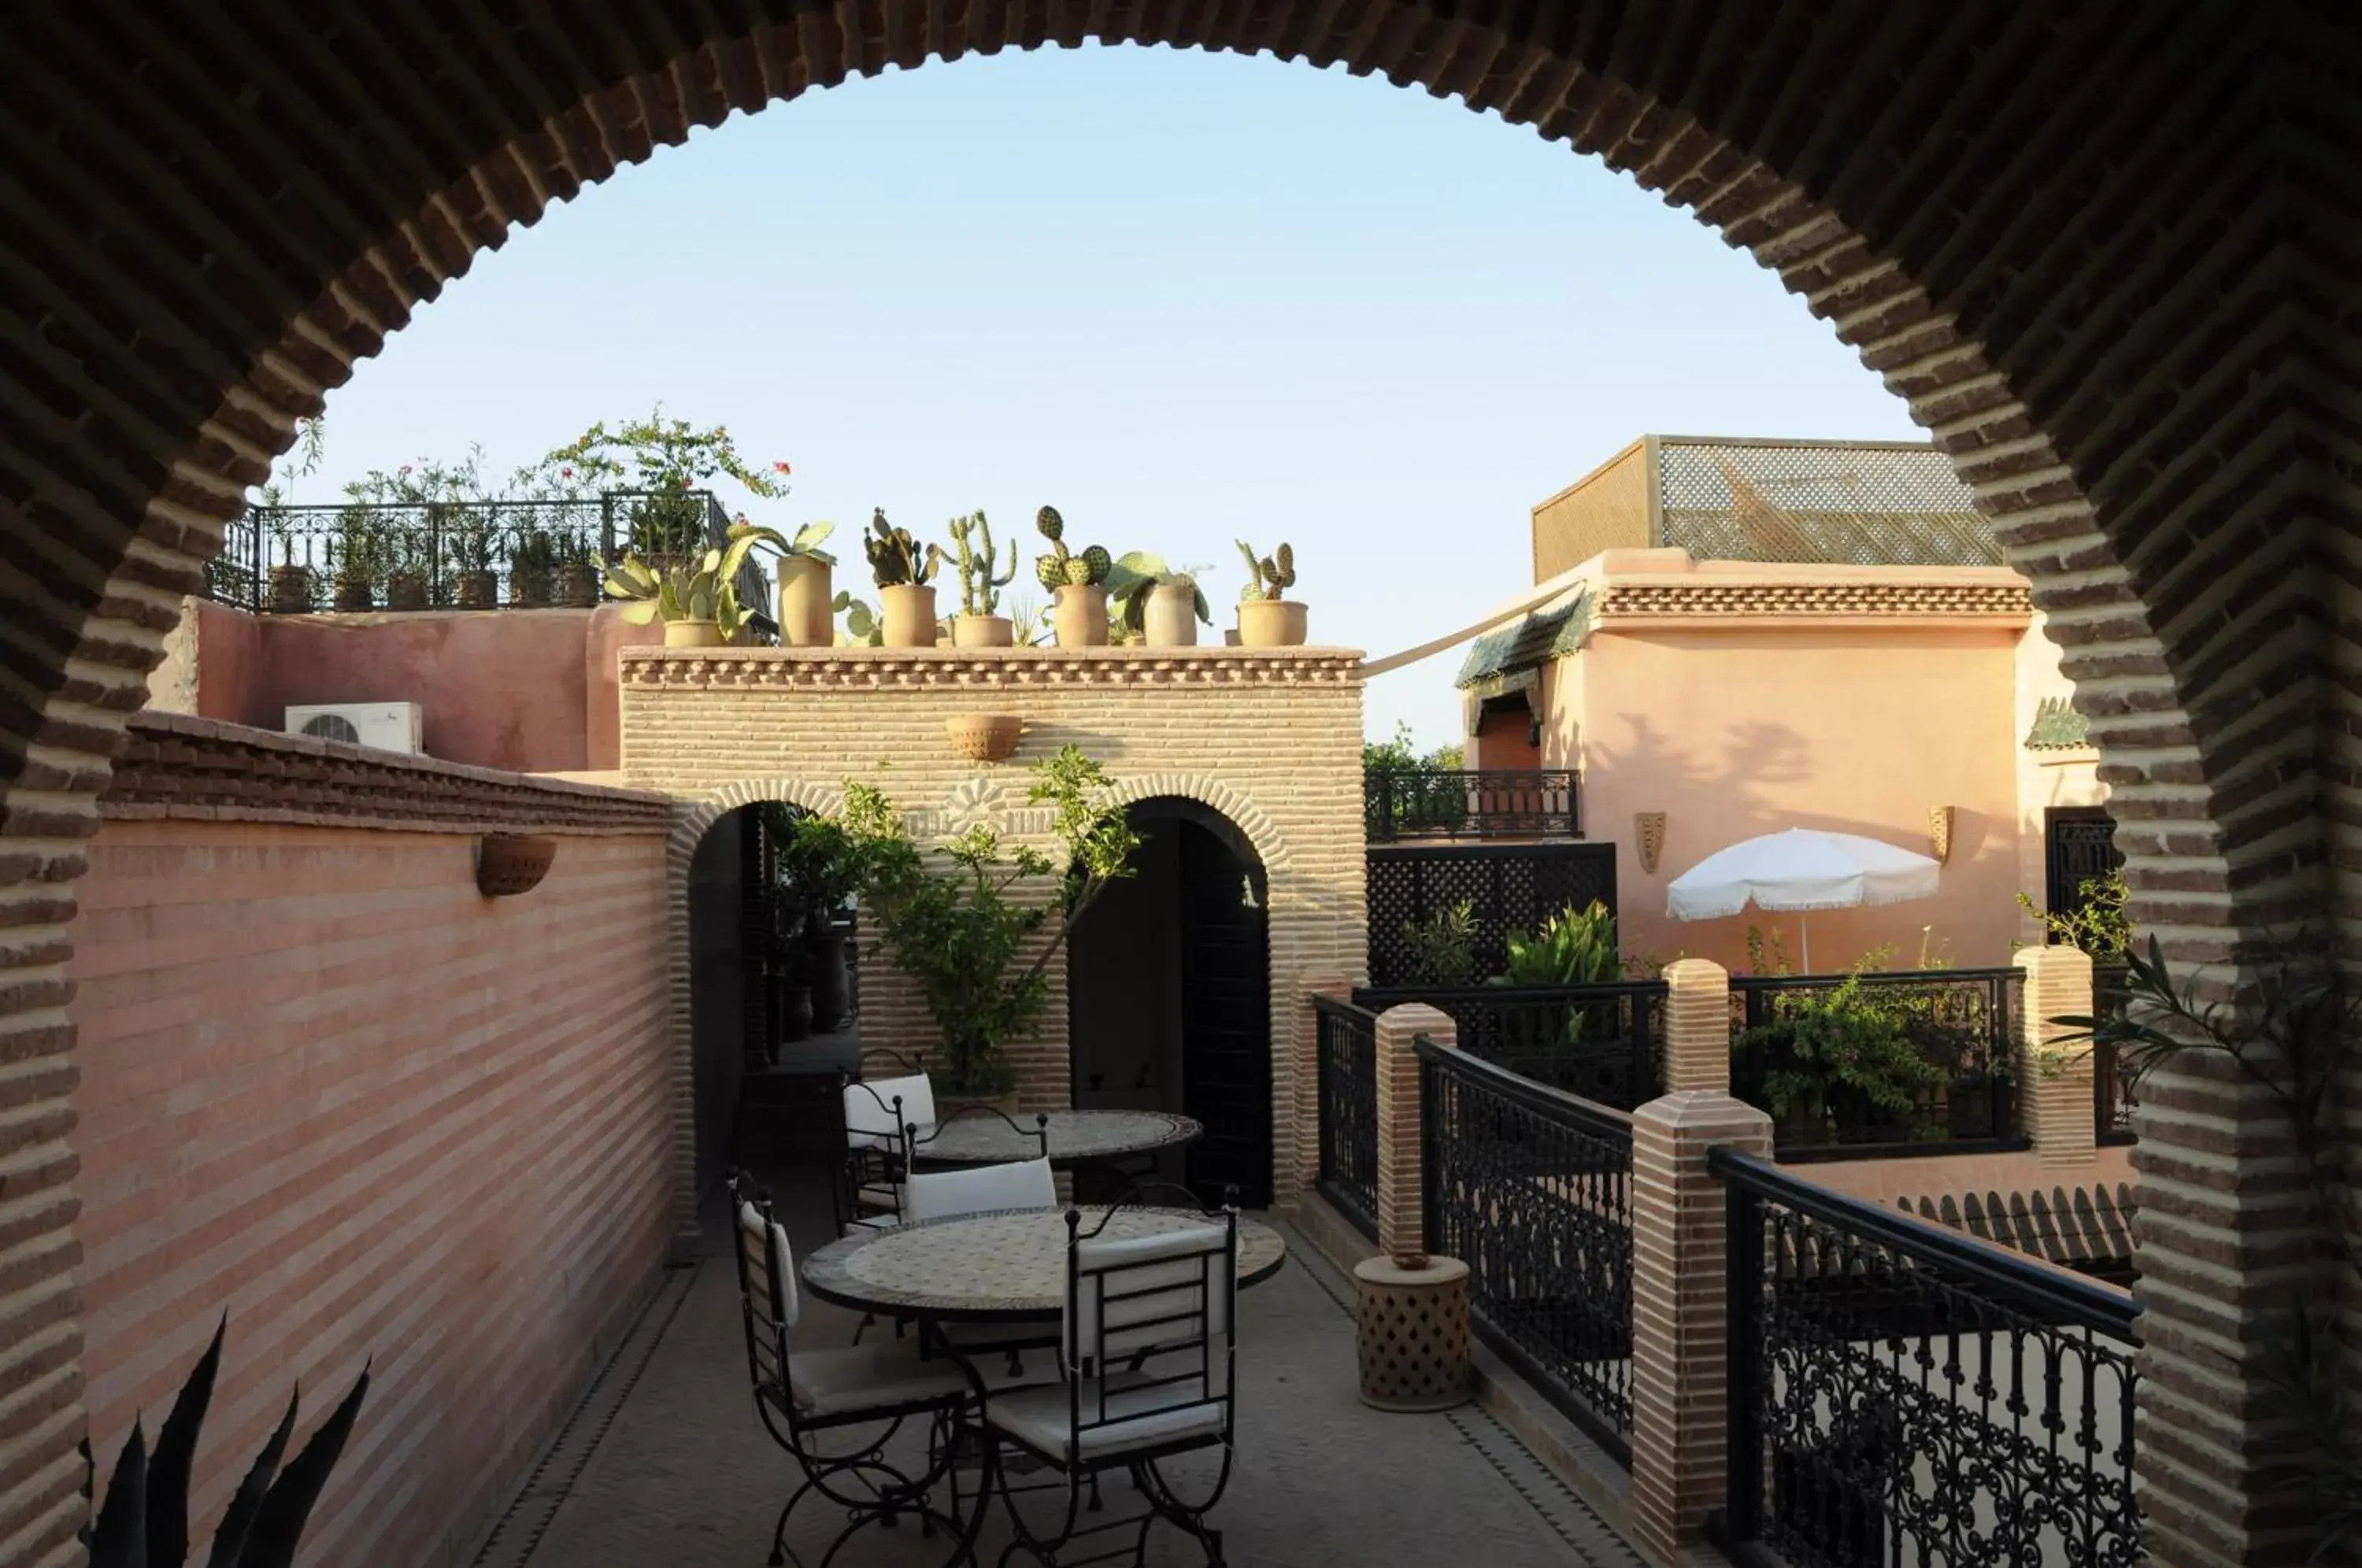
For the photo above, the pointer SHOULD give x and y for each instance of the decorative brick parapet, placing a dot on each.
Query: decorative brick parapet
(1787, 594)
(2054, 1079)
(1681, 1385)
(1696, 1034)
(1402, 1198)
(822, 669)
(179, 766)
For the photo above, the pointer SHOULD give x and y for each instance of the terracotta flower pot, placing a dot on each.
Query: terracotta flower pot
(692, 635)
(983, 632)
(807, 588)
(354, 594)
(577, 585)
(479, 590)
(291, 590)
(907, 611)
(406, 591)
(985, 738)
(1271, 624)
(1170, 619)
(1081, 616)
(529, 586)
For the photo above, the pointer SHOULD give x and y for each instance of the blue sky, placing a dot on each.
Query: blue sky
(1186, 298)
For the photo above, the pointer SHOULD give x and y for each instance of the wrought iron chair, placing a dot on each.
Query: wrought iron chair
(881, 1117)
(802, 1394)
(1149, 1360)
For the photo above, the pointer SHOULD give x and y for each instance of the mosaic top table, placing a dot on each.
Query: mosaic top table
(1076, 1138)
(1006, 1266)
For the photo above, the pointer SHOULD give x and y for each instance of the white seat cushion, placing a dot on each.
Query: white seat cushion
(878, 1111)
(867, 1377)
(1042, 1419)
(1020, 1184)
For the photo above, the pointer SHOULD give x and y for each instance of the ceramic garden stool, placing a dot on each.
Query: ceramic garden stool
(1414, 1334)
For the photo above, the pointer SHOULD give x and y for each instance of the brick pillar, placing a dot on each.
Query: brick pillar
(2054, 1082)
(1680, 1300)
(1696, 1027)
(1402, 1201)
(1295, 1159)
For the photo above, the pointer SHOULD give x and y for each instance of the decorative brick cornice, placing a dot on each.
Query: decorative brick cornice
(1850, 601)
(178, 767)
(867, 669)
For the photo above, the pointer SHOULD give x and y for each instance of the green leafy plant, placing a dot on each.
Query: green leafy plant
(1135, 573)
(2099, 924)
(1059, 570)
(1268, 576)
(1029, 619)
(660, 454)
(806, 541)
(980, 586)
(676, 591)
(1573, 947)
(144, 1522)
(861, 623)
(1442, 949)
(960, 930)
(895, 557)
(1846, 1054)
(1767, 953)
(1399, 755)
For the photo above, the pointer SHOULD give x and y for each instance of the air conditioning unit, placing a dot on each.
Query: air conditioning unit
(389, 726)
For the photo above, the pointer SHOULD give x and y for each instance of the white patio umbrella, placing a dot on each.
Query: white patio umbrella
(1801, 869)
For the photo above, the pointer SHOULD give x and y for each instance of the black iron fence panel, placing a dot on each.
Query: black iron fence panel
(1859, 1066)
(1497, 803)
(1901, 1394)
(2113, 1083)
(1532, 1189)
(1509, 887)
(1348, 1074)
(1597, 1043)
(466, 555)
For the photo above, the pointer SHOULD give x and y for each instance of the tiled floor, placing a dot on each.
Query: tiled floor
(667, 1465)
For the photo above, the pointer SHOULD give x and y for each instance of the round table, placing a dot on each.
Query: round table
(1002, 1266)
(1076, 1138)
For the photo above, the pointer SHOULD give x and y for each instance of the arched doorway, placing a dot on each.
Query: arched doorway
(1168, 984)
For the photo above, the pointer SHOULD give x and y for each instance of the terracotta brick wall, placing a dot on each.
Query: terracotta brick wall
(330, 1088)
(1270, 738)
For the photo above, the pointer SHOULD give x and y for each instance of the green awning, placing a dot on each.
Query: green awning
(1525, 644)
(2058, 727)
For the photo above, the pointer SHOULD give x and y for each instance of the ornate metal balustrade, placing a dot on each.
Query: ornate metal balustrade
(1349, 1110)
(467, 555)
(1599, 1043)
(1902, 1394)
(1428, 802)
(2113, 1101)
(1532, 1188)
(1962, 1022)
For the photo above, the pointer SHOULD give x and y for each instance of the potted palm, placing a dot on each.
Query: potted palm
(903, 569)
(696, 601)
(1077, 583)
(980, 623)
(1164, 606)
(1267, 620)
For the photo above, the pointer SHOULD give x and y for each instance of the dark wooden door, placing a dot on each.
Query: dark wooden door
(1225, 1020)
(2080, 846)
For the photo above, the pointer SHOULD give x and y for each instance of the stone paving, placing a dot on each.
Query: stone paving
(666, 1465)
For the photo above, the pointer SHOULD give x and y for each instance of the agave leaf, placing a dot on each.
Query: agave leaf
(279, 1523)
(176, 1449)
(238, 1521)
(119, 1540)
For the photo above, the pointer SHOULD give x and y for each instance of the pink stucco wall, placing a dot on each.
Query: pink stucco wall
(2044, 778)
(533, 691)
(329, 1089)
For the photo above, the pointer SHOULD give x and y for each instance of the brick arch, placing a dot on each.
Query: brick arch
(1270, 847)
(2086, 244)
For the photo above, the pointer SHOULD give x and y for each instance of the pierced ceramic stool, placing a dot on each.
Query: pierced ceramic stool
(1414, 1334)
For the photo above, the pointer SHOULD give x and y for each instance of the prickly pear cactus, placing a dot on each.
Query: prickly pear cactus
(1050, 571)
(1079, 571)
(1268, 576)
(1100, 562)
(1062, 568)
(1052, 527)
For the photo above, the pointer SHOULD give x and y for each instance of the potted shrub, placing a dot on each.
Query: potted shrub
(1842, 1061)
(1267, 620)
(353, 557)
(902, 569)
(698, 602)
(409, 569)
(1077, 582)
(470, 530)
(533, 569)
(959, 921)
(290, 585)
(578, 573)
(807, 588)
(980, 623)
(1163, 605)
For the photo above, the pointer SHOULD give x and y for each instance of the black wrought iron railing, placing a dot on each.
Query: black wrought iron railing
(1426, 802)
(1913, 1062)
(2112, 1100)
(465, 555)
(1599, 1043)
(1348, 1073)
(1903, 1393)
(1532, 1189)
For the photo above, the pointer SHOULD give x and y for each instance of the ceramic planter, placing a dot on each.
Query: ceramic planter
(1271, 624)
(478, 590)
(291, 590)
(353, 595)
(577, 585)
(405, 591)
(806, 589)
(692, 635)
(1170, 619)
(907, 611)
(1081, 616)
(985, 738)
(983, 632)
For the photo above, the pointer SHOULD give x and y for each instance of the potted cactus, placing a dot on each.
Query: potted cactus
(1265, 620)
(980, 623)
(906, 597)
(1161, 605)
(807, 578)
(862, 627)
(1078, 583)
(698, 603)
